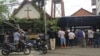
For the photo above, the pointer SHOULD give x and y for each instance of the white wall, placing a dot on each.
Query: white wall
(32, 14)
(98, 6)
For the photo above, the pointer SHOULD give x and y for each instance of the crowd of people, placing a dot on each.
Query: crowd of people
(80, 37)
(64, 38)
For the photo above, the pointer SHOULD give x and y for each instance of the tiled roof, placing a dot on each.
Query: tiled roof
(81, 12)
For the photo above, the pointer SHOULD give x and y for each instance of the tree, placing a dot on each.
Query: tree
(4, 13)
(52, 23)
(3, 10)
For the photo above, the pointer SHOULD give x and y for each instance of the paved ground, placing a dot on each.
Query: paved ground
(74, 51)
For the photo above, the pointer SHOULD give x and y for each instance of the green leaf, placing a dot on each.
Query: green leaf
(1, 1)
(12, 1)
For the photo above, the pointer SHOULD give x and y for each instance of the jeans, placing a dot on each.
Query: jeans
(96, 42)
(71, 42)
(63, 41)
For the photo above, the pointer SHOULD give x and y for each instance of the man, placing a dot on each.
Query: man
(81, 38)
(61, 35)
(90, 36)
(6, 38)
(17, 36)
(97, 38)
(71, 38)
(51, 34)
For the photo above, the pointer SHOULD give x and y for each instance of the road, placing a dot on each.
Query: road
(74, 51)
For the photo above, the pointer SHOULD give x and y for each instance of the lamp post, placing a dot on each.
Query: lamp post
(45, 21)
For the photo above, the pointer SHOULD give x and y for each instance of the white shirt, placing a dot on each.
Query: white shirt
(71, 35)
(61, 34)
(6, 38)
(83, 34)
(90, 34)
(16, 36)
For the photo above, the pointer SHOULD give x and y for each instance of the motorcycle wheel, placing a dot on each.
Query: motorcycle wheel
(26, 51)
(44, 50)
(4, 52)
(35, 47)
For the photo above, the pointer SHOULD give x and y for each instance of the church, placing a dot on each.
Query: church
(26, 10)
(29, 10)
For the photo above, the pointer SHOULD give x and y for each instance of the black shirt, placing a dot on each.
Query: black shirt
(51, 34)
(96, 35)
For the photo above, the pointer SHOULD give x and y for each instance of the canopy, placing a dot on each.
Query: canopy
(79, 21)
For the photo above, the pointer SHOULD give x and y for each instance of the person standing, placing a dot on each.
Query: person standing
(96, 38)
(6, 38)
(61, 35)
(90, 36)
(81, 38)
(67, 37)
(51, 34)
(17, 36)
(71, 38)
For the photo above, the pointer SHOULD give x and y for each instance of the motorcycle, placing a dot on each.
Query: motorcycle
(8, 48)
(41, 46)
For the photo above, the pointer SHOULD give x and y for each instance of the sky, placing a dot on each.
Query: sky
(71, 6)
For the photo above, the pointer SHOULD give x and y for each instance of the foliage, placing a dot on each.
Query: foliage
(0, 21)
(4, 10)
(39, 24)
(11, 1)
(36, 23)
(53, 24)
(4, 7)
(23, 21)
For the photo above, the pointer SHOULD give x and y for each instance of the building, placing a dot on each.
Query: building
(93, 6)
(81, 19)
(98, 7)
(93, 2)
(28, 10)
(82, 12)
(85, 22)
